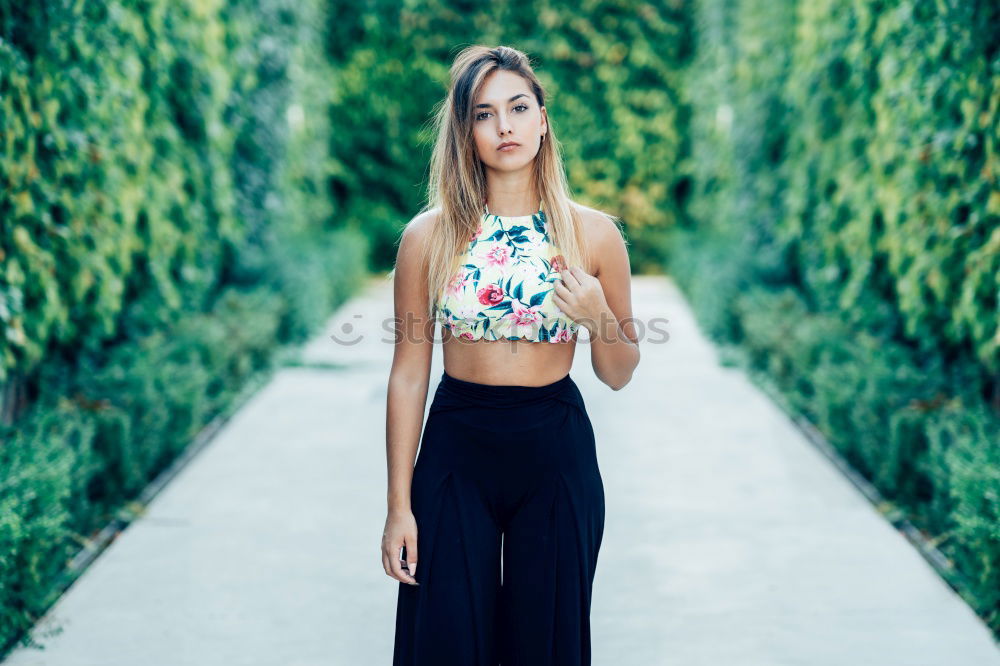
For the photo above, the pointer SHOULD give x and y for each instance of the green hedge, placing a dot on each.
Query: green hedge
(612, 68)
(843, 229)
(106, 428)
(167, 225)
(116, 182)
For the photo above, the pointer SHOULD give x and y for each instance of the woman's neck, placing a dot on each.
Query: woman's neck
(512, 205)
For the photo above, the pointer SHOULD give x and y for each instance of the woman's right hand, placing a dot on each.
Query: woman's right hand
(400, 530)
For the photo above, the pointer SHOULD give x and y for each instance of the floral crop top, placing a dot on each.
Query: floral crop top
(504, 284)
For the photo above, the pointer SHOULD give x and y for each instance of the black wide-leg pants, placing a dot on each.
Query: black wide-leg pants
(509, 505)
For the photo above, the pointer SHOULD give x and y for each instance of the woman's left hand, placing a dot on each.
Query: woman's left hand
(580, 296)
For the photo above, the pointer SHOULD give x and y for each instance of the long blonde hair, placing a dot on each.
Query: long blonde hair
(457, 181)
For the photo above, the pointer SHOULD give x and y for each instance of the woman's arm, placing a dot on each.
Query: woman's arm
(406, 396)
(614, 344)
(603, 302)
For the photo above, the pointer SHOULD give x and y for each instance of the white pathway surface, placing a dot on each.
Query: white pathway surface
(730, 541)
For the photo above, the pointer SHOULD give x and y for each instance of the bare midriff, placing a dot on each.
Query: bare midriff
(507, 362)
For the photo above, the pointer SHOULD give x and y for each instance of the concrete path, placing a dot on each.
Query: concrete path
(730, 540)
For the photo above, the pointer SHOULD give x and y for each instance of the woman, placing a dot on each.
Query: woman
(505, 499)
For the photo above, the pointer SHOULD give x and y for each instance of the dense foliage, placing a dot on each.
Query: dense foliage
(166, 225)
(843, 232)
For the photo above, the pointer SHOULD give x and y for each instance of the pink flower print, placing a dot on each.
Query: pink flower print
(476, 233)
(498, 254)
(467, 335)
(558, 263)
(457, 282)
(562, 336)
(523, 316)
(491, 294)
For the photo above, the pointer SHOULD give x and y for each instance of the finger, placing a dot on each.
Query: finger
(385, 563)
(571, 276)
(397, 567)
(397, 560)
(411, 556)
(564, 296)
(387, 559)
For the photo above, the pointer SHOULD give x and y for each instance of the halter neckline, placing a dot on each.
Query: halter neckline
(486, 211)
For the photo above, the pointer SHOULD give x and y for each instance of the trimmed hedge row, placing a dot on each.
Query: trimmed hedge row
(844, 231)
(107, 427)
(166, 226)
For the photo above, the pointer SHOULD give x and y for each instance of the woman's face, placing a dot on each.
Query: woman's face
(507, 112)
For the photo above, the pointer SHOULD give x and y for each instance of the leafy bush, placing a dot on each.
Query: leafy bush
(843, 229)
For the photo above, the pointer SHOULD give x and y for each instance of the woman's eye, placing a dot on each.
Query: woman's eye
(482, 114)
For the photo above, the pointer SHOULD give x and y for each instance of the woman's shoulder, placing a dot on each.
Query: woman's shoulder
(596, 222)
(420, 227)
(424, 220)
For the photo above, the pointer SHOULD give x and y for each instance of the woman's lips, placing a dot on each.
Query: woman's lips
(508, 148)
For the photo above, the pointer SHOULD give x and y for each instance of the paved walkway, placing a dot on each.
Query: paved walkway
(730, 541)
